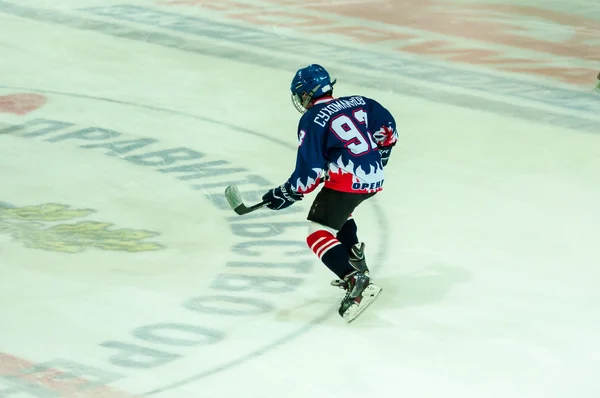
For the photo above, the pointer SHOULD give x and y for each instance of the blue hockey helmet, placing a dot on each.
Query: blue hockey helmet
(308, 84)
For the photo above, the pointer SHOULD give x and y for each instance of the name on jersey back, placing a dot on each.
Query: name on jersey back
(340, 104)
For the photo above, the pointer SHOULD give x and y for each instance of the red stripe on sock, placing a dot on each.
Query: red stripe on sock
(312, 238)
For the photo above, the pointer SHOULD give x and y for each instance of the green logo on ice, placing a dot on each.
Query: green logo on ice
(43, 227)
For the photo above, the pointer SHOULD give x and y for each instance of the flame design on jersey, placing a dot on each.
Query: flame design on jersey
(344, 176)
(386, 136)
(373, 175)
(311, 181)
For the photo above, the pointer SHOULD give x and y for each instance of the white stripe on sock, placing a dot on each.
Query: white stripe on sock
(327, 247)
(317, 242)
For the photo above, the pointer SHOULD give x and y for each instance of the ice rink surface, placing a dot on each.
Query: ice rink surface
(123, 273)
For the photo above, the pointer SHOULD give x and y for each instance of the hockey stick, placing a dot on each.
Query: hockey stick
(232, 194)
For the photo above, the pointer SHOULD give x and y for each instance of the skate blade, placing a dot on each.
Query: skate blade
(369, 296)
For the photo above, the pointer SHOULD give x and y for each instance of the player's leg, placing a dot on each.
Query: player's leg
(333, 230)
(326, 220)
(348, 236)
(329, 212)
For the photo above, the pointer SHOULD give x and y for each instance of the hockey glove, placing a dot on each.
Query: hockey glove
(386, 152)
(281, 197)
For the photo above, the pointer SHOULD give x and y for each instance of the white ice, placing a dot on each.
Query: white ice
(485, 238)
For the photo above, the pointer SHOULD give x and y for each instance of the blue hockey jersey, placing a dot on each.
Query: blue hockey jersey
(339, 139)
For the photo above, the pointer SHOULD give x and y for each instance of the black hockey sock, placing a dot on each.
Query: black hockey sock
(348, 234)
(336, 259)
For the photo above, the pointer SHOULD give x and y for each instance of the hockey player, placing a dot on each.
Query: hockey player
(347, 140)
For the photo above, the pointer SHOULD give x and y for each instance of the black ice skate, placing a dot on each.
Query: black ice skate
(360, 293)
(357, 258)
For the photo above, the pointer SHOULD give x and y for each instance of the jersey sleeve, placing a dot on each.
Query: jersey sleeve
(381, 124)
(310, 159)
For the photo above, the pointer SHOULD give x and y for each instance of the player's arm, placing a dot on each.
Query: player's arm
(386, 137)
(310, 164)
(383, 127)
